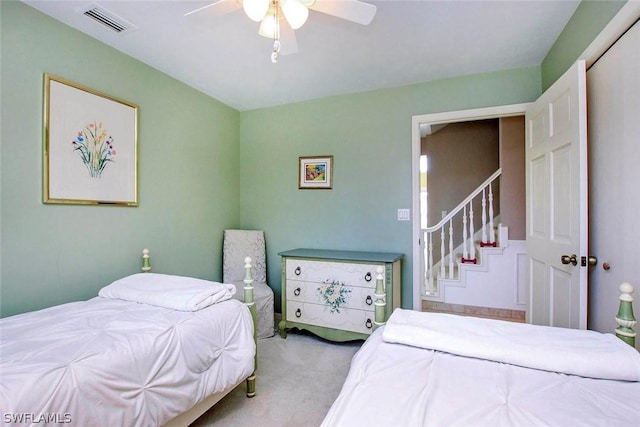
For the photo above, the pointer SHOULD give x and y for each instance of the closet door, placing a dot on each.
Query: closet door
(613, 84)
(556, 187)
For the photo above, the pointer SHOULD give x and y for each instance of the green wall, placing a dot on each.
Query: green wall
(205, 167)
(586, 23)
(369, 135)
(189, 185)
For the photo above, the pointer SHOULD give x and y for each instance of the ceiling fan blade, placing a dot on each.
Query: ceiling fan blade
(218, 7)
(288, 42)
(352, 10)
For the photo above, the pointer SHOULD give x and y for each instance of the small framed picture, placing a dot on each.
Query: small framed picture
(316, 172)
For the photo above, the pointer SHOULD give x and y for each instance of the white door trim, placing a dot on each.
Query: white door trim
(619, 24)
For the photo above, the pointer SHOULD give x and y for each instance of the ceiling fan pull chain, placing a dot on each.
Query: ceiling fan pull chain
(276, 51)
(276, 33)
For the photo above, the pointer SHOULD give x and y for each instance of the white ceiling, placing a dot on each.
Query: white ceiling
(409, 41)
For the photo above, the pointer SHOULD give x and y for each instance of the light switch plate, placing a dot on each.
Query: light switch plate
(404, 215)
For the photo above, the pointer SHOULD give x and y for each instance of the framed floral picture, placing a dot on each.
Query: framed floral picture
(316, 172)
(90, 146)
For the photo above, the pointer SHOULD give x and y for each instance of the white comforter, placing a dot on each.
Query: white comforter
(394, 385)
(108, 362)
(570, 351)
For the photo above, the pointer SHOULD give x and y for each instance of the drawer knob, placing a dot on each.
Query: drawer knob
(368, 324)
(367, 277)
(296, 292)
(369, 300)
(298, 313)
(298, 271)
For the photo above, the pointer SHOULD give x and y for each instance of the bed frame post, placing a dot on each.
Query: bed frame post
(380, 302)
(625, 318)
(248, 300)
(146, 262)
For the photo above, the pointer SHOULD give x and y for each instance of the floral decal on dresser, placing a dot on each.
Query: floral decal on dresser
(334, 294)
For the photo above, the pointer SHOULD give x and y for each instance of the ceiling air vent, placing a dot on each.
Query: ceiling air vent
(108, 19)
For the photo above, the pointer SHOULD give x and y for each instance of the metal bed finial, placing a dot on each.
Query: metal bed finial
(625, 318)
(146, 262)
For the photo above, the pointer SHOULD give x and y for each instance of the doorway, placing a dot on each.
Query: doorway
(600, 308)
(420, 125)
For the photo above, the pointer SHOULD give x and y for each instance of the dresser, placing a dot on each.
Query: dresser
(333, 293)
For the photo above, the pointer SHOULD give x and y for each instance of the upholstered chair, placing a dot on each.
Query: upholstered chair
(238, 244)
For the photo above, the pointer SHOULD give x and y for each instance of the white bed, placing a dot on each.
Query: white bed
(396, 379)
(116, 361)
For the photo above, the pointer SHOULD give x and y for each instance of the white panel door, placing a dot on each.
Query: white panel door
(556, 183)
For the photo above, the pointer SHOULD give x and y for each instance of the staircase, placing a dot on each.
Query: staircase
(479, 269)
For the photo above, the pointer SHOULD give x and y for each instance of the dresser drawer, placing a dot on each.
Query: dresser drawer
(335, 297)
(351, 274)
(346, 319)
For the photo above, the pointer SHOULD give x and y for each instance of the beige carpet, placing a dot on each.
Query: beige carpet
(298, 380)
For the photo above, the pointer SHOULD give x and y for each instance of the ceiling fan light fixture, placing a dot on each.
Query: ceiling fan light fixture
(270, 27)
(256, 9)
(295, 12)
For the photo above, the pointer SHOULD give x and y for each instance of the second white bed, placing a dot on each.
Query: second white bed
(391, 384)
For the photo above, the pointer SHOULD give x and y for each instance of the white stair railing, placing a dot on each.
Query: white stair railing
(446, 270)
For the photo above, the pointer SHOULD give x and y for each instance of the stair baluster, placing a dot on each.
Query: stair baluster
(484, 217)
(472, 248)
(442, 252)
(451, 249)
(468, 256)
(430, 264)
(492, 231)
(465, 252)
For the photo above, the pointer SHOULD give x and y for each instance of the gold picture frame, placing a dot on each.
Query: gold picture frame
(90, 153)
(315, 172)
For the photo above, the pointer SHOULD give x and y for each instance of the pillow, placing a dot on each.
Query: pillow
(165, 290)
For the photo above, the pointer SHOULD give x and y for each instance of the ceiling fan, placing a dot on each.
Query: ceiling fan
(278, 18)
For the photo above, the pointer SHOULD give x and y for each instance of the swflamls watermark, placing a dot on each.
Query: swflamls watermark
(32, 418)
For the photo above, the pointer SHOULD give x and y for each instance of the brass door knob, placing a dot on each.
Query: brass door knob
(569, 259)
